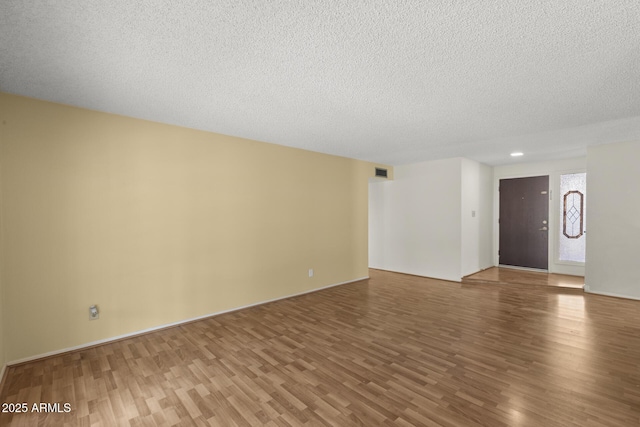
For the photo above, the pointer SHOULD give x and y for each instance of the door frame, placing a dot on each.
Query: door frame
(530, 170)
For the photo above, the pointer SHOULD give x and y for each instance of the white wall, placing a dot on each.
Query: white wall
(476, 216)
(554, 169)
(377, 227)
(420, 223)
(415, 220)
(613, 206)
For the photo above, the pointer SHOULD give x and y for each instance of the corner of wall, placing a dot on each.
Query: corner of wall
(3, 360)
(476, 216)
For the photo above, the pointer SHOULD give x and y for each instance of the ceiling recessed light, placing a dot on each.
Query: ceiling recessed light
(517, 154)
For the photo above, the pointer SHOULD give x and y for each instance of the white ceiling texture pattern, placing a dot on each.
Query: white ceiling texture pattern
(387, 81)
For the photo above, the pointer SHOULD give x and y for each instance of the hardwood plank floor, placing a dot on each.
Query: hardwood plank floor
(392, 350)
(510, 276)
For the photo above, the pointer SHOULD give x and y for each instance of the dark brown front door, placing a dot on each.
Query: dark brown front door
(524, 222)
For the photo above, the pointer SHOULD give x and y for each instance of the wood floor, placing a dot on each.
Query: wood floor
(510, 276)
(392, 350)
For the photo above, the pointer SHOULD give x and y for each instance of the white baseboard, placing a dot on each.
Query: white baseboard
(168, 325)
(609, 294)
(418, 275)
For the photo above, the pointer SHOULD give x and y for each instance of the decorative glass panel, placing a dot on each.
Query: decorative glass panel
(572, 217)
(571, 245)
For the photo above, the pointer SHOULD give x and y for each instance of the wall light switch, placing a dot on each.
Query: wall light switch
(311, 272)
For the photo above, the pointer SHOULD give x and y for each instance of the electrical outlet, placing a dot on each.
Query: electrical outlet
(93, 313)
(311, 272)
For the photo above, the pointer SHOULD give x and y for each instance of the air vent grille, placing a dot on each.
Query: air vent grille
(381, 172)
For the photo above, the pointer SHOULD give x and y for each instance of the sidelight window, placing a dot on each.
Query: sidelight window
(572, 217)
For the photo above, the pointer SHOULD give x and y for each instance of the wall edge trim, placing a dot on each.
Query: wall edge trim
(164, 326)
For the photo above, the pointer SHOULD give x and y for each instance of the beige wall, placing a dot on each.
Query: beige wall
(3, 359)
(157, 223)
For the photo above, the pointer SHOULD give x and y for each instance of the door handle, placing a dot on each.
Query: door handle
(543, 229)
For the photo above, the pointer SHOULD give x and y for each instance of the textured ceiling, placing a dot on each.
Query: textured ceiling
(387, 81)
